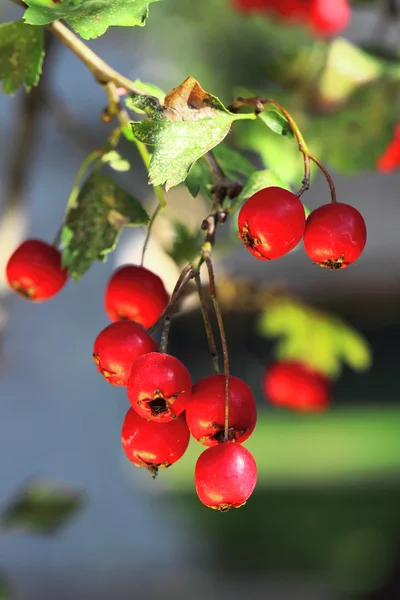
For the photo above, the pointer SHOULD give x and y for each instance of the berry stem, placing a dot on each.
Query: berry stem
(148, 234)
(327, 177)
(206, 253)
(146, 157)
(184, 278)
(259, 105)
(207, 323)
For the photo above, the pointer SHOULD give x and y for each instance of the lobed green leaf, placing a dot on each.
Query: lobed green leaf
(93, 225)
(190, 123)
(89, 18)
(21, 55)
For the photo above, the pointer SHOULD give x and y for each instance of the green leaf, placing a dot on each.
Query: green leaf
(232, 162)
(355, 137)
(199, 179)
(149, 89)
(21, 55)
(276, 121)
(92, 227)
(186, 243)
(42, 507)
(89, 18)
(347, 68)
(277, 153)
(317, 338)
(190, 123)
(260, 180)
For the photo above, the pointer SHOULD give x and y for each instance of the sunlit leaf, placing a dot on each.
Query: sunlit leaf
(317, 338)
(89, 18)
(190, 123)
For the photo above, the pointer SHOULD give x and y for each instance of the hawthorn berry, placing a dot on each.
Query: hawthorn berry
(335, 235)
(136, 294)
(271, 223)
(293, 384)
(225, 476)
(390, 159)
(327, 18)
(34, 271)
(151, 445)
(159, 387)
(117, 347)
(205, 413)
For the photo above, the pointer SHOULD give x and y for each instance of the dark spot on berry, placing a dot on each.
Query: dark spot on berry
(249, 241)
(334, 265)
(158, 406)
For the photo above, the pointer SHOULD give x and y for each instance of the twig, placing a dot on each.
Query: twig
(184, 278)
(207, 323)
(259, 104)
(148, 234)
(206, 253)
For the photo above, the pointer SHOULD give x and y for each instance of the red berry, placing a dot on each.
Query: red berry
(159, 387)
(136, 294)
(34, 271)
(390, 159)
(225, 476)
(151, 445)
(117, 347)
(327, 17)
(295, 385)
(271, 223)
(335, 235)
(205, 413)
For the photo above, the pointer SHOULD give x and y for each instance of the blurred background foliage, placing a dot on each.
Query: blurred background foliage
(326, 507)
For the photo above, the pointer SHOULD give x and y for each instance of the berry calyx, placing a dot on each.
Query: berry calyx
(271, 223)
(34, 271)
(159, 387)
(225, 476)
(148, 444)
(136, 294)
(335, 235)
(117, 347)
(205, 413)
(295, 385)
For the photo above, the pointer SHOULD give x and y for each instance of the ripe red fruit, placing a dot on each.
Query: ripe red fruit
(117, 347)
(390, 159)
(335, 235)
(136, 294)
(151, 445)
(34, 271)
(293, 384)
(205, 413)
(327, 17)
(271, 223)
(159, 387)
(225, 476)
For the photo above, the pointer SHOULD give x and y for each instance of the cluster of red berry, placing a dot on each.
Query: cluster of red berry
(322, 17)
(165, 408)
(273, 221)
(218, 411)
